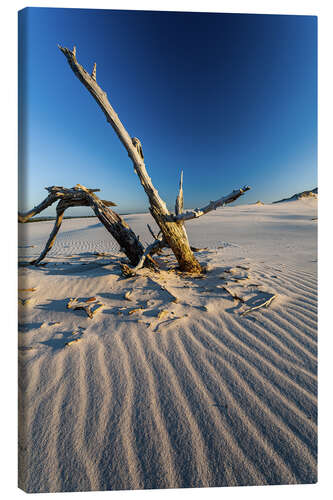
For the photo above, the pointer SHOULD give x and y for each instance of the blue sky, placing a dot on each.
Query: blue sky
(230, 99)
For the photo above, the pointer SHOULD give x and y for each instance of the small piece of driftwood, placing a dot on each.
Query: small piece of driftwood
(134, 311)
(162, 313)
(72, 342)
(264, 304)
(89, 308)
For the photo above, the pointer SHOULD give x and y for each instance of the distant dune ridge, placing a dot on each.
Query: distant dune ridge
(171, 382)
(313, 193)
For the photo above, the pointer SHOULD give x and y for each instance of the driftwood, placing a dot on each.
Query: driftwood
(81, 196)
(71, 342)
(171, 226)
(263, 304)
(87, 306)
(162, 313)
(127, 295)
(137, 310)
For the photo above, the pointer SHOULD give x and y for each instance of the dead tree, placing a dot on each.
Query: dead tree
(171, 226)
(81, 196)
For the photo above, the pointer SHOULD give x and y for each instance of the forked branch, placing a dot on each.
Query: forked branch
(213, 205)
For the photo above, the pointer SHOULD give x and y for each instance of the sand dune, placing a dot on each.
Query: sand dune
(201, 396)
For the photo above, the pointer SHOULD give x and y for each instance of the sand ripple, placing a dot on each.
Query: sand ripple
(212, 399)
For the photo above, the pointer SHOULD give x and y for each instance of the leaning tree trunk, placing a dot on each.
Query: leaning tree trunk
(81, 196)
(173, 231)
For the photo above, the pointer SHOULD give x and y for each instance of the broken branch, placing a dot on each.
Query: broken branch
(81, 196)
(194, 214)
(180, 198)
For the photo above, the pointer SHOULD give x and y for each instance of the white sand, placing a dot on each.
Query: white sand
(202, 396)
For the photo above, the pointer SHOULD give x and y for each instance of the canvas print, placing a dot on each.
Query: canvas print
(167, 250)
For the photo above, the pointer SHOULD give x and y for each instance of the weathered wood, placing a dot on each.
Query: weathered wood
(213, 205)
(174, 234)
(81, 196)
(52, 237)
(153, 248)
(266, 303)
(152, 232)
(49, 200)
(89, 308)
(180, 198)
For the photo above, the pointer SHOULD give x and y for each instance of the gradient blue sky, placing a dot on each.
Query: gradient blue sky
(229, 98)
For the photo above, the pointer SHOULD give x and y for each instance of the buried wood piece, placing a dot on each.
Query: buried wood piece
(168, 322)
(263, 304)
(72, 342)
(196, 249)
(88, 308)
(134, 311)
(162, 313)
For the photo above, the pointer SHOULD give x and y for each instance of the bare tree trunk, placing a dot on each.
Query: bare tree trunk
(173, 231)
